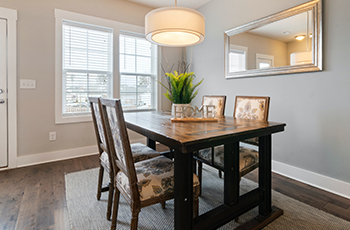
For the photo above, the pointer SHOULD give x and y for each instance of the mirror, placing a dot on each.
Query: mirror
(286, 42)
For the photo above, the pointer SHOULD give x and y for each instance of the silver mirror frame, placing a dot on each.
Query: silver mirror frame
(316, 7)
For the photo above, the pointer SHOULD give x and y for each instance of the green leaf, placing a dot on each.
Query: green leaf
(164, 86)
(181, 88)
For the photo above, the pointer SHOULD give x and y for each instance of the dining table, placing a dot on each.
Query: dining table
(185, 138)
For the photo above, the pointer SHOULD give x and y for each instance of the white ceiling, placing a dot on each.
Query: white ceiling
(194, 4)
(295, 25)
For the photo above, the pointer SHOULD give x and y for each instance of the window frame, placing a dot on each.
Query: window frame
(66, 70)
(264, 58)
(61, 15)
(153, 75)
(238, 49)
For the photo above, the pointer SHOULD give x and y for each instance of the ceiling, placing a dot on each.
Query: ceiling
(285, 30)
(194, 4)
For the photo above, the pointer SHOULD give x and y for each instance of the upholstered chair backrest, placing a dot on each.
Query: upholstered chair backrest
(118, 141)
(97, 121)
(252, 108)
(218, 101)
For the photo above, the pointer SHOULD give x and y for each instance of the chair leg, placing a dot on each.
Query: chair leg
(196, 201)
(220, 173)
(163, 204)
(195, 207)
(115, 209)
(134, 220)
(100, 179)
(237, 218)
(200, 167)
(110, 200)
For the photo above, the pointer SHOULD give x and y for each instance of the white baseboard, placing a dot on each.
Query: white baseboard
(62, 155)
(329, 184)
(56, 156)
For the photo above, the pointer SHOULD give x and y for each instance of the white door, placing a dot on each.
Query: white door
(3, 93)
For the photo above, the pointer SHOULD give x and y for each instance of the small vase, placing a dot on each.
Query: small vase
(180, 111)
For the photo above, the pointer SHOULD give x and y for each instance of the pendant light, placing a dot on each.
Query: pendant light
(174, 26)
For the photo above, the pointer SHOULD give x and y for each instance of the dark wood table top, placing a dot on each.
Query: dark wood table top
(188, 136)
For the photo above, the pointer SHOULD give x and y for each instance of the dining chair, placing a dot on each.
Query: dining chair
(218, 100)
(144, 183)
(246, 107)
(140, 152)
(208, 154)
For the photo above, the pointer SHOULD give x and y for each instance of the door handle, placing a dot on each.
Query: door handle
(2, 101)
(1, 91)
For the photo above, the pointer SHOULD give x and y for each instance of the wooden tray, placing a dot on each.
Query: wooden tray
(190, 119)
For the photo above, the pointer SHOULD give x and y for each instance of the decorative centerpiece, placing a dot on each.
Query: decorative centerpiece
(181, 91)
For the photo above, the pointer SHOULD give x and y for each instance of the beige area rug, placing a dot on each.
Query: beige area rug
(86, 212)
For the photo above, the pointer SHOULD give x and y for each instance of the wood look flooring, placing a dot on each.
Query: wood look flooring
(34, 197)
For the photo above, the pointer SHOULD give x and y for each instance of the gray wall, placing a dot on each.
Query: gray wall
(315, 106)
(36, 60)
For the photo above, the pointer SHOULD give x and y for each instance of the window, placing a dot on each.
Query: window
(138, 72)
(87, 66)
(238, 58)
(264, 61)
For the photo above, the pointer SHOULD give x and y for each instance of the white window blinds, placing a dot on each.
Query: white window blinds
(87, 65)
(237, 61)
(138, 72)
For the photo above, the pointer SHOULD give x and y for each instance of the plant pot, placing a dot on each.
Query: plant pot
(181, 111)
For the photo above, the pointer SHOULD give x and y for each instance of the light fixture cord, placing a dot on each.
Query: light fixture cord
(175, 2)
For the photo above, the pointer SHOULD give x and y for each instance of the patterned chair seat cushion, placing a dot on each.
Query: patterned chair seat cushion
(247, 157)
(155, 178)
(140, 152)
(252, 141)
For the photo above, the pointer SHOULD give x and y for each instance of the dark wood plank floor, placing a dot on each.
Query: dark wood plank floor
(34, 197)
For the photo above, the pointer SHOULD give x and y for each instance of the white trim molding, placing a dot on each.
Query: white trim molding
(326, 183)
(42, 158)
(11, 16)
(65, 154)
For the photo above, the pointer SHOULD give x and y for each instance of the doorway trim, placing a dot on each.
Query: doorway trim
(11, 16)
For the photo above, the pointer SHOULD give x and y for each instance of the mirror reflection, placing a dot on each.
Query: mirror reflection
(281, 43)
(289, 41)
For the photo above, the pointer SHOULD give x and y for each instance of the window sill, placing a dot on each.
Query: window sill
(138, 110)
(73, 119)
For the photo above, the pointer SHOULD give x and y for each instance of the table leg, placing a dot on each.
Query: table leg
(265, 173)
(231, 178)
(151, 143)
(267, 214)
(183, 179)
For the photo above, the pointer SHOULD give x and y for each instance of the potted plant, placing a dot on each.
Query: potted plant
(181, 90)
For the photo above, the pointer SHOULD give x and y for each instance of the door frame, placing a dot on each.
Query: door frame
(11, 16)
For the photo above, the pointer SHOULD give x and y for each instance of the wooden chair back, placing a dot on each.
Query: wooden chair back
(118, 142)
(252, 108)
(98, 123)
(218, 100)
